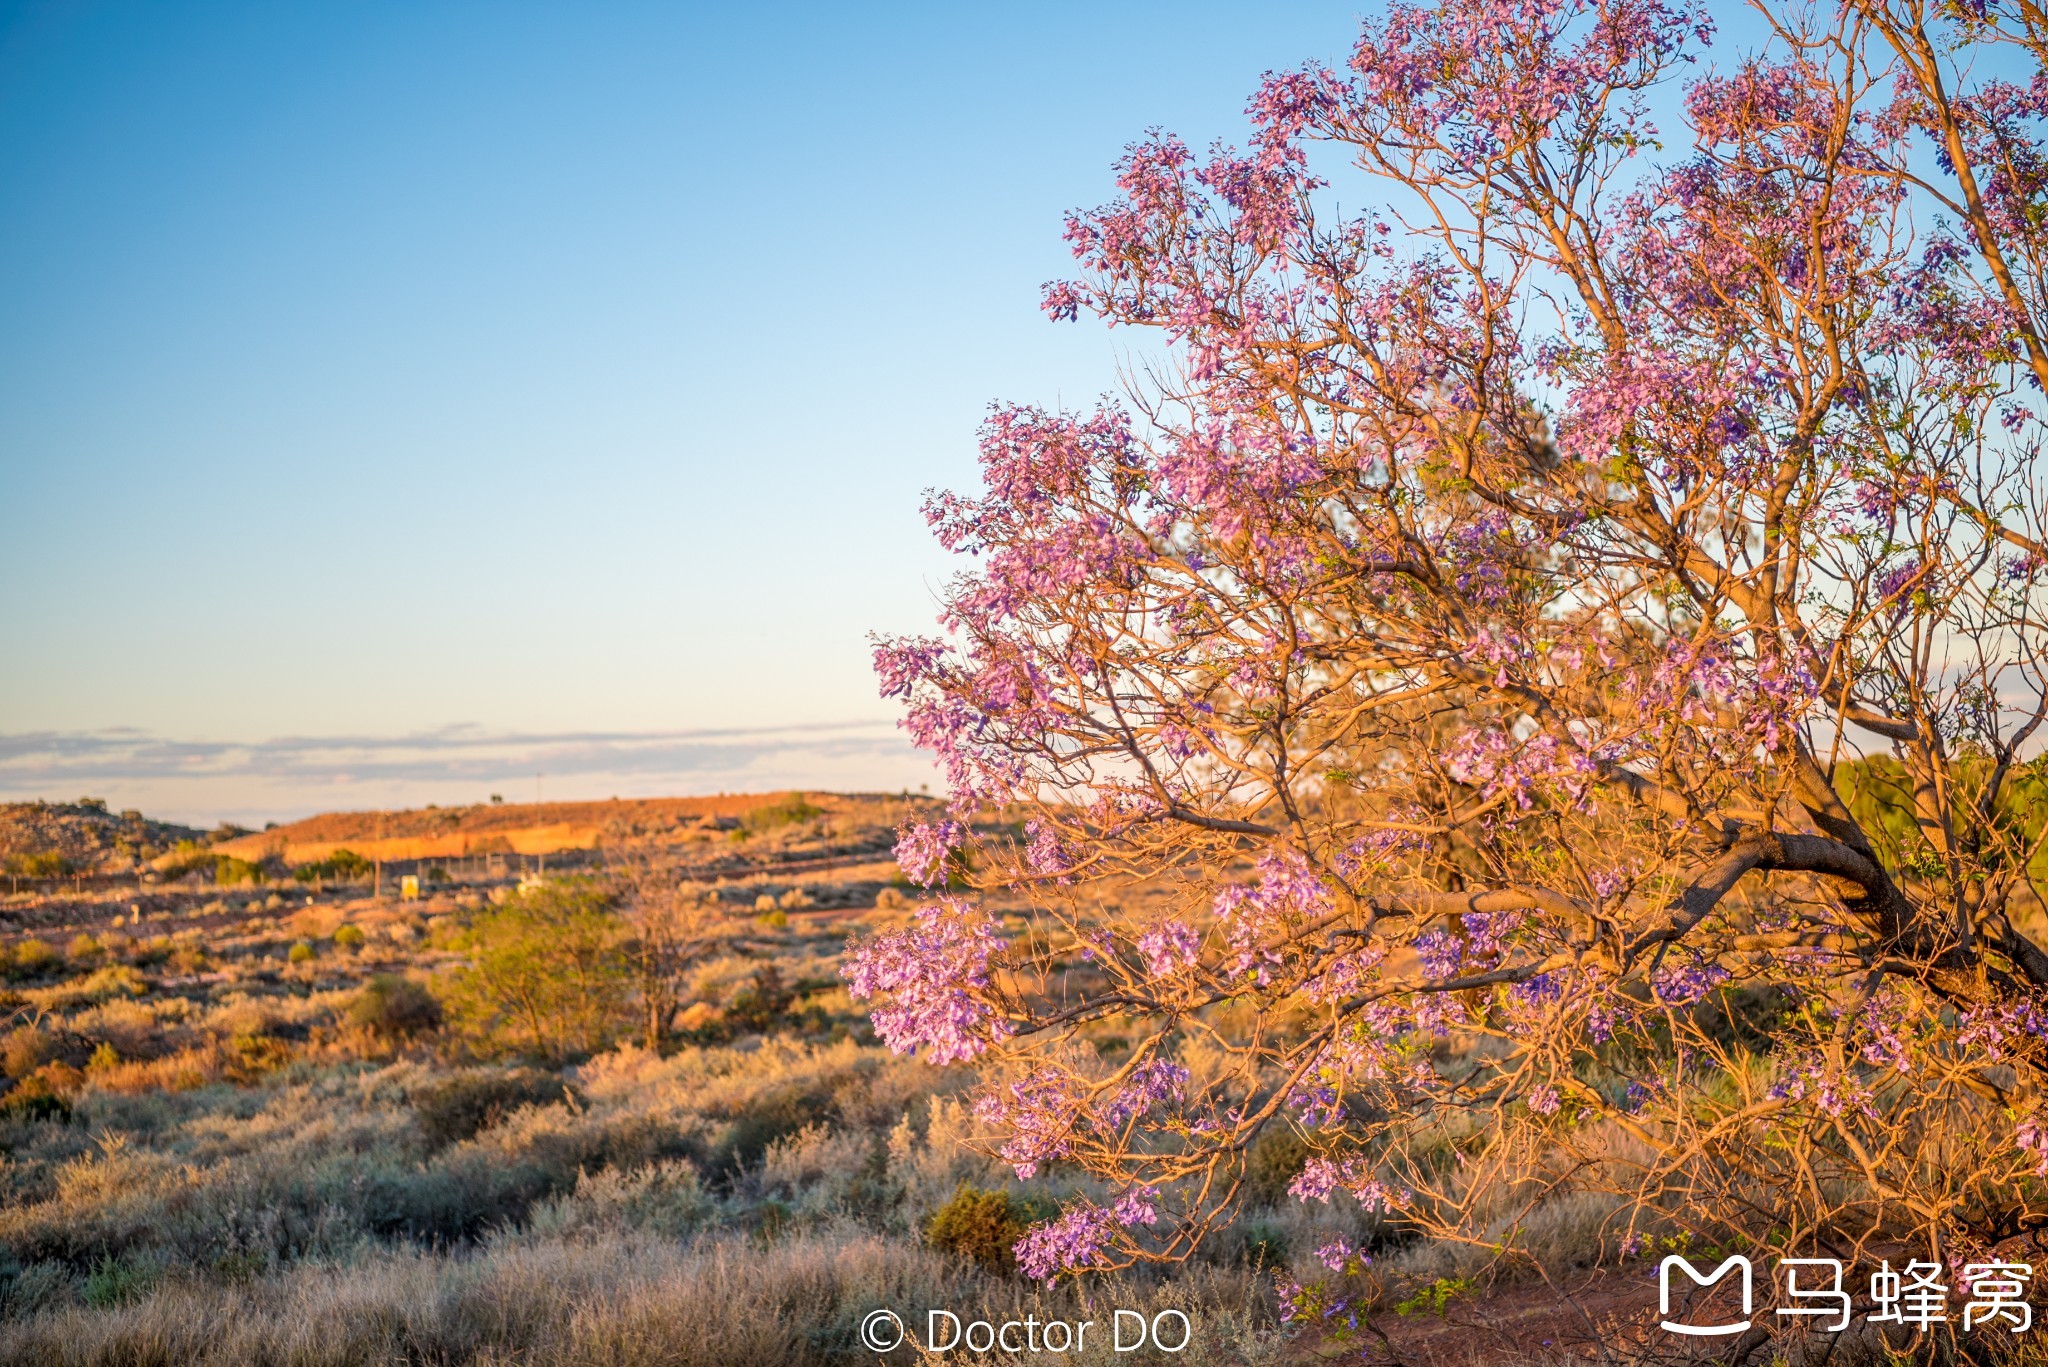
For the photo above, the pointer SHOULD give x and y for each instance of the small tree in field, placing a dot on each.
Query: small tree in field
(1562, 651)
(673, 926)
(543, 973)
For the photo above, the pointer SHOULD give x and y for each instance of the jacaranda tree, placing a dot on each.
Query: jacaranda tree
(1539, 687)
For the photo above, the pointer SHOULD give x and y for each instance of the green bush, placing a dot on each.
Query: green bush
(115, 1281)
(792, 810)
(465, 1105)
(350, 937)
(228, 870)
(760, 1122)
(547, 974)
(301, 952)
(33, 957)
(44, 1094)
(764, 1005)
(1276, 1159)
(980, 1226)
(105, 984)
(342, 865)
(1265, 1246)
(395, 1008)
(47, 864)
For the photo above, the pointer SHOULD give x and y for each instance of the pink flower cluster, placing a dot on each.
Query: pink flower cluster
(1149, 1084)
(1169, 947)
(1074, 1241)
(936, 977)
(922, 851)
(1320, 1178)
(1287, 890)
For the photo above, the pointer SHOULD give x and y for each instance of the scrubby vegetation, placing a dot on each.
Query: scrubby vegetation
(624, 1115)
(616, 1115)
(222, 1150)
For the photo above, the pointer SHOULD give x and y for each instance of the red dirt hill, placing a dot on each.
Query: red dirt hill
(514, 828)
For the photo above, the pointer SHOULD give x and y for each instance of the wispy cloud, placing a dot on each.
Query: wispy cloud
(207, 781)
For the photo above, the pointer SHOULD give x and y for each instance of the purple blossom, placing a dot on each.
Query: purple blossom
(1683, 984)
(1149, 1084)
(1060, 300)
(1316, 1180)
(1041, 1112)
(1601, 1020)
(1895, 579)
(1287, 890)
(1338, 1255)
(1138, 1206)
(1070, 1243)
(2002, 1030)
(1319, 1178)
(1169, 947)
(936, 977)
(1045, 854)
(1830, 1089)
(2031, 1135)
(922, 851)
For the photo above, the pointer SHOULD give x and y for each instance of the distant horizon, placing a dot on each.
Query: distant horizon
(285, 779)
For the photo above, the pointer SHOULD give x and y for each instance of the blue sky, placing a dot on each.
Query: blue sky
(399, 375)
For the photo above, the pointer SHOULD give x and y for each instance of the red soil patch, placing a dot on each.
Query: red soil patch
(511, 827)
(1571, 1322)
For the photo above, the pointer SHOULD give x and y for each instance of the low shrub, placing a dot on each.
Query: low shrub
(980, 1226)
(1265, 1246)
(758, 1123)
(228, 870)
(395, 1008)
(341, 865)
(33, 957)
(793, 810)
(101, 985)
(115, 1281)
(762, 1006)
(44, 1094)
(465, 1105)
(46, 864)
(1275, 1160)
(25, 1049)
(29, 1047)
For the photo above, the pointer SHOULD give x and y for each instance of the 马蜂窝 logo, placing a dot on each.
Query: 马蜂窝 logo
(1914, 1297)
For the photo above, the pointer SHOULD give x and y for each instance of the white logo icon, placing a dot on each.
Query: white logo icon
(1734, 1261)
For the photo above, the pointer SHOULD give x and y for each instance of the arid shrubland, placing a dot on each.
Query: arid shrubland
(616, 1300)
(718, 1205)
